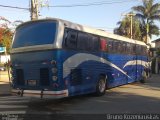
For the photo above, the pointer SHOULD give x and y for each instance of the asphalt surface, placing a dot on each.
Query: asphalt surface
(4, 84)
(132, 98)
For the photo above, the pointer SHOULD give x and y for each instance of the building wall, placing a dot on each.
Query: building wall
(4, 58)
(157, 44)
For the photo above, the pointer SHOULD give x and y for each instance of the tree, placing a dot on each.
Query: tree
(124, 28)
(158, 52)
(5, 38)
(5, 33)
(147, 14)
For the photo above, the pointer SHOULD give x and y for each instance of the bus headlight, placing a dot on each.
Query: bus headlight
(54, 78)
(54, 70)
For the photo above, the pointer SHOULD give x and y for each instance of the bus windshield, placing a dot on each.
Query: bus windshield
(35, 33)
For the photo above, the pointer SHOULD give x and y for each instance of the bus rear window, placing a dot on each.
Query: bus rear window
(35, 33)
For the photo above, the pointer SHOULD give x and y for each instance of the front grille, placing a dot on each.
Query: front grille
(20, 77)
(31, 71)
(44, 77)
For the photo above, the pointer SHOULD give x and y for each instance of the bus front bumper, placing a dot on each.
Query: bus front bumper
(40, 93)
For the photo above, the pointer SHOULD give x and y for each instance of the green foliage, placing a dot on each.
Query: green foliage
(158, 52)
(124, 28)
(147, 14)
(143, 22)
(5, 33)
(6, 38)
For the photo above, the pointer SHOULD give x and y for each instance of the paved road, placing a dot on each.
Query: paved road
(132, 98)
(4, 79)
(4, 83)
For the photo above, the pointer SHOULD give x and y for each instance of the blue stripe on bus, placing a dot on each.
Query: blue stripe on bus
(115, 66)
(118, 68)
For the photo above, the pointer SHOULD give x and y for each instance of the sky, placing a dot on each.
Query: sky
(104, 16)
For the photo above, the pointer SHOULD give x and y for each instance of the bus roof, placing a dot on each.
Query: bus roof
(91, 30)
(99, 32)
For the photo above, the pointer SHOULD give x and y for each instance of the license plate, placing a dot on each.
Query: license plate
(32, 82)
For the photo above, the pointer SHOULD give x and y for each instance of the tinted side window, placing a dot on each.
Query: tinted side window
(119, 47)
(138, 49)
(123, 47)
(128, 48)
(103, 42)
(87, 42)
(95, 43)
(83, 41)
(131, 48)
(110, 46)
(115, 46)
(134, 49)
(70, 39)
(144, 49)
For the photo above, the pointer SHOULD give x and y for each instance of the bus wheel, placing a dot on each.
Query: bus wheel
(144, 77)
(101, 86)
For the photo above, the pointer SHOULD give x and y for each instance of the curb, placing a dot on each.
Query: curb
(5, 90)
(3, 95)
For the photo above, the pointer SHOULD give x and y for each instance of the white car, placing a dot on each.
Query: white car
(2, 68)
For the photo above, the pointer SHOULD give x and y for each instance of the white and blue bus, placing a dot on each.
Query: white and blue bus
(54, 58)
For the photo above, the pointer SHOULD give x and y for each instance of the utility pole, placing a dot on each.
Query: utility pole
(35, 6)
(34, 9)
(131, 24)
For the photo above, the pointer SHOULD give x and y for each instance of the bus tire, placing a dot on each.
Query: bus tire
(144, 77)
(101, 86)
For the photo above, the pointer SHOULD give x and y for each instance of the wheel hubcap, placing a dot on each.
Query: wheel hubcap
(102, 85)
